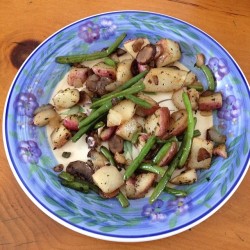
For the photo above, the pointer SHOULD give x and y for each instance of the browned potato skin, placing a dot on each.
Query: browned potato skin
(210, 102)
(102, 69)
(144, 111)
(170, 154)
(177, 124)
(77, 76)
(158, 123)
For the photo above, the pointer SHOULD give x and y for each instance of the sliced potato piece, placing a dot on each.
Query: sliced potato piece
(201, 154)
(128, 129)
(210, 102)
(108, 179)
(77, 76)
(158, 123)
(177, 124)
(135, 45)
(164, 79)
(126, 109)
(144, 111)
(178, 100)
(171, 52)
(114, 118)
(102, 69)
(138, 187)
(44, 117)
(186, 177)
(123, 72)
(60, 136)
(66, 98)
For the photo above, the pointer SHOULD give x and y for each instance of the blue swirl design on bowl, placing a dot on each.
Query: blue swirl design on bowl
(32, 160)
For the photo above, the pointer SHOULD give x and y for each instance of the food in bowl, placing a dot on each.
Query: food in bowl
(142, 114)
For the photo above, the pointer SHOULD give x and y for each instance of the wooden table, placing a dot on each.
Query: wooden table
(22, 224)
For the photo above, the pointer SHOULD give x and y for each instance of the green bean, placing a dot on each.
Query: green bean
(139, 101)
(99, 125)
(122, 199)
(121, 94)
(76, 185)
(190, 130)
(175, 192)
(166, 177)
(197, 133)
(162, 152)
(137, 161)
(152, 168)
(116, 44)
(129, 83)
(108, 155)
(135, 137)
(91, 56)
(209, 76)
(84, 129)
(66, 176)
(97, 113)
(109, 62)
(171, 139)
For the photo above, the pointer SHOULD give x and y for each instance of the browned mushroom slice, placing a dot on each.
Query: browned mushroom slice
(116, 144)
(146, 54)
(137, 45)
(81, 170)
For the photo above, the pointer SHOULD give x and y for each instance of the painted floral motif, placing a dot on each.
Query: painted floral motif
(219, 66)
(89, 32)
(230, 109)
(25, 104)
(28, 151)
(107, 28)
(153, 211)
(180, 205)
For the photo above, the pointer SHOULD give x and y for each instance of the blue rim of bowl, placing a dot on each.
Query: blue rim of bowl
(114, 237)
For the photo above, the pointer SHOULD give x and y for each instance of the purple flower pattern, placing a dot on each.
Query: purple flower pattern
(153, 211)
(90, 31)
(180, 205)
(219, 67)
(28, 151)
(230, 108)
(25, 104)
(107, 28)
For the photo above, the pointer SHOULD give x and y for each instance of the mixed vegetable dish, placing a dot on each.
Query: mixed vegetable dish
(111, 95)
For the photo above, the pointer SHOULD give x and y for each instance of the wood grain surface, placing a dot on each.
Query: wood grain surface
(25, 23)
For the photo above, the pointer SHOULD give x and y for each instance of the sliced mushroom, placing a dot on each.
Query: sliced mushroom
(81, 170)
(146, 54)
(214, 135)
(97, 159)
(115, 144)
